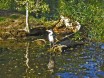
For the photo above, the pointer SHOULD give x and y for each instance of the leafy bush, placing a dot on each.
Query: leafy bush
(88, 13)
(2, 19)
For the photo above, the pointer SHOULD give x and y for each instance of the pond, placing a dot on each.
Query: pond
(26, 59)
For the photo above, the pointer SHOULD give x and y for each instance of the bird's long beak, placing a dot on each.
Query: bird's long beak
(47, 30)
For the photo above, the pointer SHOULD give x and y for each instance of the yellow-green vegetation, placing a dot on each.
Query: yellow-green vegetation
(11, 43)
(16, 21)
(10, 23)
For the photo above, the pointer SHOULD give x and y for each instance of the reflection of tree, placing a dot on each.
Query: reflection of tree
(27, 55)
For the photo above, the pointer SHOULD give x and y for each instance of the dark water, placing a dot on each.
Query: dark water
(26, 59)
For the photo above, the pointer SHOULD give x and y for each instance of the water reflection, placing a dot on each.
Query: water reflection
(27, 55)
(87, 64)
(28, 60)
(51, 64)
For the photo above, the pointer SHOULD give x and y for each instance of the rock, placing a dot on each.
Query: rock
(69, 43)
(57, 48)
(64, 44)
(40, 42)
(37, 31)
(65, 25)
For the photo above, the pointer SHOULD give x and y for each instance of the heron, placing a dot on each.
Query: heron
(50, 37)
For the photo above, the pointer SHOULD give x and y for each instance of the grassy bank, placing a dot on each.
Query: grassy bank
(90, 13)
(14, 21)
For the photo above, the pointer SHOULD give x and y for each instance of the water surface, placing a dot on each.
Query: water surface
(26, 59)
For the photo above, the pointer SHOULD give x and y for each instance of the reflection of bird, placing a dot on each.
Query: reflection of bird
(51, 37)
(51, 64)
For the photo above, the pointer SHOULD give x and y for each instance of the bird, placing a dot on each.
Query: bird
(50, 37)
(51, 64)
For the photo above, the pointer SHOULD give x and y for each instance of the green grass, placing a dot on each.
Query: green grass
(14, 16)
(88, 13)
(2, 19)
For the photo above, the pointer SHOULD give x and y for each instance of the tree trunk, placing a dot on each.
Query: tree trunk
(27, 21)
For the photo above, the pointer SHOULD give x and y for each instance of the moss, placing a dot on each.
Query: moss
(4, 35)
(2, 19)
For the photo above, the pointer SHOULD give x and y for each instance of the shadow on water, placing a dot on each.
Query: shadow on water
(28, 60)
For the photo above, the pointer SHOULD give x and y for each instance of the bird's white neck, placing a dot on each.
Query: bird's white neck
(51, 34)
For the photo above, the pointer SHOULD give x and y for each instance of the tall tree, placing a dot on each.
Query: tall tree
(27, 16)
(32, 6)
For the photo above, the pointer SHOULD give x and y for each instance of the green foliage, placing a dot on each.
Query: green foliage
(4, 4)
(88, 13)
(2, 19)
(35, 6)
(8, 4)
